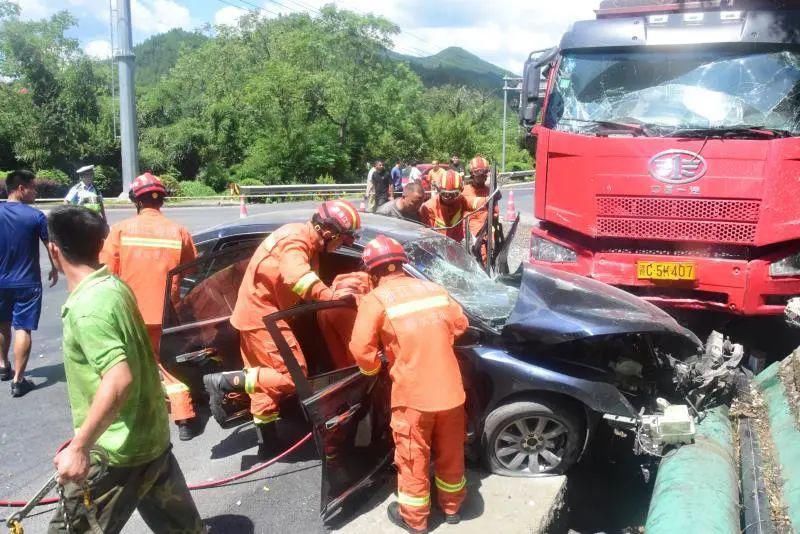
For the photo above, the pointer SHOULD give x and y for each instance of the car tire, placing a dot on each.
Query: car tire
(554, 439)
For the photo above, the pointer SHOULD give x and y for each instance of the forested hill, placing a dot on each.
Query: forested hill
(158, 54)
(452, 66)
(455, 66)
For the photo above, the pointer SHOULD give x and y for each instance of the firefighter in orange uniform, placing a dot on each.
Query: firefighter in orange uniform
(281, 273)
(416, 323)
(477, 195)
(445, 212)
(141, 251)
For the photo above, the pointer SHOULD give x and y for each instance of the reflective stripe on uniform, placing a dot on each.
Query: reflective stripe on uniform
(450, 488)
(151, 242)
(453, 221)
(370, 373)
(410, 500)
(439, 301)
(477, 202)
(172, 389)
(265, 419)
(305, 283)
(250, 379)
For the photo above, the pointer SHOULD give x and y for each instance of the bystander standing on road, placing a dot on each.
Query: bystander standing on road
(380, 183)
(85, 193)
(436, 175)
(115, 396)
(21, 229)
(414, 174)
(456, 165)
(407, 206)
(397, 176)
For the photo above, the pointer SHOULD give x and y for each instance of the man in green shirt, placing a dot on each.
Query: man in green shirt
(115, 395)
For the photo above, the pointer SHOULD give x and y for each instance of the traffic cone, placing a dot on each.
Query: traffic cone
(362, 206)
(242, 208)
(511, 210)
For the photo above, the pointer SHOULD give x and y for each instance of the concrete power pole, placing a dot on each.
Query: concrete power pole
(127, 96)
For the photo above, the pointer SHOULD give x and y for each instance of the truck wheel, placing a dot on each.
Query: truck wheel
(529, 439)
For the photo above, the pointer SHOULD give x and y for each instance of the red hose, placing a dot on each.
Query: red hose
(205, 485)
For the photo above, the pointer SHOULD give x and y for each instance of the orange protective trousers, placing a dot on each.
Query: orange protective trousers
(268, 380)
(416, 433)
(180, 400)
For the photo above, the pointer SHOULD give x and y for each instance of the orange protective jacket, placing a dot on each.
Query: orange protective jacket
(476, 198)
(441, 217)
(141, 251)
(281, 272)
(416, 322)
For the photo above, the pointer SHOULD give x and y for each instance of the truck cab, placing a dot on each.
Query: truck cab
(667, 152)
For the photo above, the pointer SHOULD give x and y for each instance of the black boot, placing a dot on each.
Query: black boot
(268, 443)
(218, 386)
(395, 517)
(187, 429)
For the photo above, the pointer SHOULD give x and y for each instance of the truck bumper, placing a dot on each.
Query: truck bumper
(742, 287)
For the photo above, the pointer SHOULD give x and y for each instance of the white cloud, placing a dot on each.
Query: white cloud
(157, 16)
(228, 16)
(98, 49)
(34, 9)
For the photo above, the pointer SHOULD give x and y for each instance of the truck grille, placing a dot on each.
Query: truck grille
(681, 219)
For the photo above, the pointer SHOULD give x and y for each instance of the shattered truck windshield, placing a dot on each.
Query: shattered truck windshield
(446, 263)
(671, 91)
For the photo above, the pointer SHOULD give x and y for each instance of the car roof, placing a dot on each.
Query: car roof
(371, 226)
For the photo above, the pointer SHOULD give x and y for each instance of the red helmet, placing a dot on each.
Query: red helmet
(452, 181)
(478, 165)
(147, 183)
(340, 215)
(383, 250)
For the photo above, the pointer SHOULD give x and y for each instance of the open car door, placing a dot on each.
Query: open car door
(197, 337)
(349, 412)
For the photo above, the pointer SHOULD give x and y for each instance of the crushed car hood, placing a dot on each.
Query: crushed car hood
(555, 306)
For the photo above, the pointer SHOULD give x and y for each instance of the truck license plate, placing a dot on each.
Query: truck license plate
(665, 270)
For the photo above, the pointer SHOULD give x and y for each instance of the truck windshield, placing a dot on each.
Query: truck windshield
(667, 92)
(446, 263)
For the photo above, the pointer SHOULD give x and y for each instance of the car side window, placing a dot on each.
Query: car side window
(207, 288)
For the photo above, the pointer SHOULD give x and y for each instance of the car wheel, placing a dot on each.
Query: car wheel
(528, 439)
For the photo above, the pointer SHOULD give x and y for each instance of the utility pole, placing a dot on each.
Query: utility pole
(506, 88)
(127, 96)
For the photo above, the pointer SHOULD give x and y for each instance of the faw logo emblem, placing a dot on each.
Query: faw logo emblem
(677, 166)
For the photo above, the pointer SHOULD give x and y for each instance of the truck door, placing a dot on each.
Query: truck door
(349, 413)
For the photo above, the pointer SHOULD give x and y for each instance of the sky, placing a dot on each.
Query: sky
(503, 32)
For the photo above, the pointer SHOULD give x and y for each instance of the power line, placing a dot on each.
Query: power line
(248, 9)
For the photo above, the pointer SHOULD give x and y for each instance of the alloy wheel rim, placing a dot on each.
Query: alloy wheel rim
(533, 445)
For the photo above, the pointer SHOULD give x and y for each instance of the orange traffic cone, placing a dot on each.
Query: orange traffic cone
(362, 206)
(511, 210)
(242, 208)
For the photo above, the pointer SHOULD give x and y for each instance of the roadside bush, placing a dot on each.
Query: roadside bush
(252, 181)
(47, 188)
(54, 175)
(215, 177)
(108, 180)
(172, 184)
(196, 189)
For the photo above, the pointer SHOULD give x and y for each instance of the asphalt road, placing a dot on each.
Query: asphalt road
(282, 498)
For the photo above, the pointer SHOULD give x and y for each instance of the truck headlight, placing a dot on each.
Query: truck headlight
(544, 250)
(788, 266)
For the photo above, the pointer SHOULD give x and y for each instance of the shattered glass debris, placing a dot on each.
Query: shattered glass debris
(792, 312)
(661, 92)
(446, 263)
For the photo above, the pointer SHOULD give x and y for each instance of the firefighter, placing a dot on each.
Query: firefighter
(416, 323)
(141, 251)
(445, 212)
(282, 272)
(476, 194)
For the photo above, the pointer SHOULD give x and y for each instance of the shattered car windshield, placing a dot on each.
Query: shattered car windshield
(676, 90)
(446, 263)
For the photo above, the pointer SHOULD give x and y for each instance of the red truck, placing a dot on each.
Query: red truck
(668, 160)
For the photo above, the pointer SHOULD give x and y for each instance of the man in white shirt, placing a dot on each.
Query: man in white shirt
(84, 193)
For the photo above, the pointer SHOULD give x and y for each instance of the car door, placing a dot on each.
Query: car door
(349, 413)
(197, 337)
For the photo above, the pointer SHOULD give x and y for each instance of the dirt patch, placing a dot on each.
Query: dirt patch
(751, 404)
(790, 377)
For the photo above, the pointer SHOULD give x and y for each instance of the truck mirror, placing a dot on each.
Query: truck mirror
(530, 103)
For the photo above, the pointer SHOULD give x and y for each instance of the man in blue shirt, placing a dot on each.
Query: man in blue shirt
(21, 229)
(397, 176)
